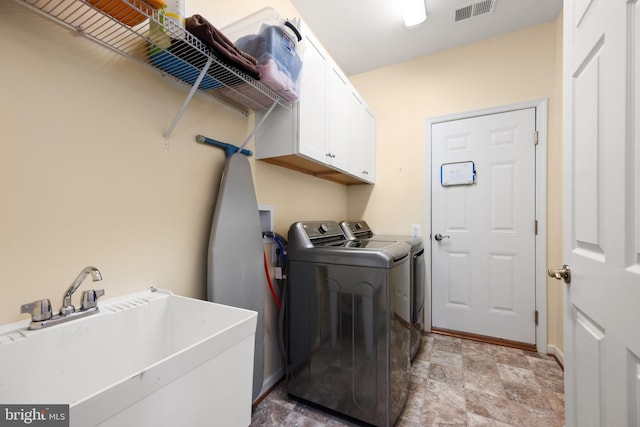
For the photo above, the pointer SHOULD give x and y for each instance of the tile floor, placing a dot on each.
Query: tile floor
(454, 382)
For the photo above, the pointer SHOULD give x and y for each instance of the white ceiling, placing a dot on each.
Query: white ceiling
(362, 35)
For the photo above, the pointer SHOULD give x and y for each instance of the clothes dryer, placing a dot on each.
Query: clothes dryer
(361, 230)
(348, 322)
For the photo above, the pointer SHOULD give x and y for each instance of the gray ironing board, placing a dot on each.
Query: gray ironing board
(235, 264)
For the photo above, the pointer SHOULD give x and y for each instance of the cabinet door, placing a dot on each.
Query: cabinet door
(312, 106)
(356, 128)
(338, 93)
(369, 146)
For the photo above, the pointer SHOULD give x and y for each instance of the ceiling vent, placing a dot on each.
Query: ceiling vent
(475, 9)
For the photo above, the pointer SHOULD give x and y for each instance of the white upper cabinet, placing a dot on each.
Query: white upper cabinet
(329, 132)
(337, 99)
(368, 145)
(356, 107)
(311, 108)
(361, 131)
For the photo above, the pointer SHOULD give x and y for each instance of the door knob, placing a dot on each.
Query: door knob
(563, 273)
(439, 237)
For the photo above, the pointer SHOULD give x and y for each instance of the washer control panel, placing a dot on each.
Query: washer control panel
(322, 229)
(358, 229)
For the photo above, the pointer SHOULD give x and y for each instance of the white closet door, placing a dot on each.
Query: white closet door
(483, 269)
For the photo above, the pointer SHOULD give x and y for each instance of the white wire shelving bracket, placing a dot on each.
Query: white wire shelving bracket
(135, 30)
(192, 92)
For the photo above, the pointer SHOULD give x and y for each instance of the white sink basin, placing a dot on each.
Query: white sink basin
(150, 358)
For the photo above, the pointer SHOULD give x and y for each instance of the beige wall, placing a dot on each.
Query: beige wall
(516, 67)
(86, 179)
(554, 209)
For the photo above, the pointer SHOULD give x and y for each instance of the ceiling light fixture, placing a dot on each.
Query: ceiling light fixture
(414, 12)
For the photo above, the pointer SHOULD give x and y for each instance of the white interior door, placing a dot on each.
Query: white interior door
(601, 225)
(483, 269)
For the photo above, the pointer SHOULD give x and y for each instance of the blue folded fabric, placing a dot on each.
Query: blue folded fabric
(171, 63)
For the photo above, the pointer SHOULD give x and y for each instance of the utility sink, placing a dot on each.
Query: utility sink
(149, 358)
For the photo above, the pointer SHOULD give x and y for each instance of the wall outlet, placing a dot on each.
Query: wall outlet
(415, 230)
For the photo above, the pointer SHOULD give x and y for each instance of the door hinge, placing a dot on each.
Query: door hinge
(536, 317)
(536, 227)
(535, 137)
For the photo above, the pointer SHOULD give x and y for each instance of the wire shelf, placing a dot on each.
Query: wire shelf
(134, 29)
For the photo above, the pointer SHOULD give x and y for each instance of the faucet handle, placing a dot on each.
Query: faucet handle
(40, 310)
(90, 298)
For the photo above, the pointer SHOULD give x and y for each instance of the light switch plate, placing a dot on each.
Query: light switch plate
(415, 230)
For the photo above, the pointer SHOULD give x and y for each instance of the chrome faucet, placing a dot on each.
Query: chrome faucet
(42, 316)
(67, 307)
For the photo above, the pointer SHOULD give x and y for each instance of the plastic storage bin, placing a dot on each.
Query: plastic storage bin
(273, 41)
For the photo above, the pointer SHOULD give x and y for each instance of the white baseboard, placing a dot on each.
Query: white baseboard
(556, 352)
(269, 382)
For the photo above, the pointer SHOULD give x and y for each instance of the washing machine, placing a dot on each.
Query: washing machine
(348, 322)
(361, 230)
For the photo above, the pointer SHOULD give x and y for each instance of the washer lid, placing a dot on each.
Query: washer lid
(414, 241)
(359, 229)
(325, 242)
(364, 253)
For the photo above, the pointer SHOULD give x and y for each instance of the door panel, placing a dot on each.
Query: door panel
(457, 211)
(338, 116)
(634, 185)
(502, 277)
(589, 337)
(587, 173)
(634, 388)
(355, 134)
(312, 115)
(503, 196)
(369, 145)
(458, 280)
(484, 268)
(601, 185)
